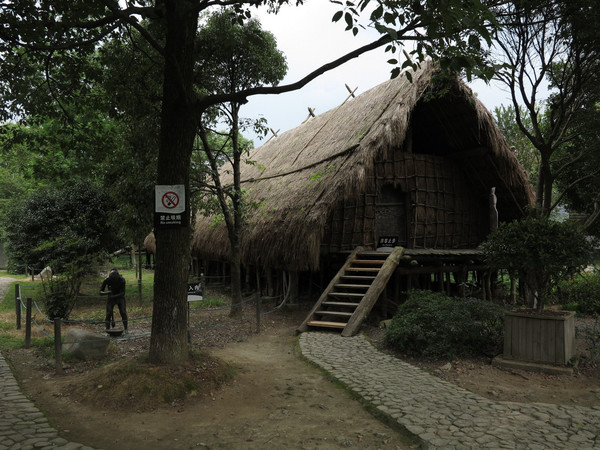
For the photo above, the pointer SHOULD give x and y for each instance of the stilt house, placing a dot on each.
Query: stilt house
(409, 165)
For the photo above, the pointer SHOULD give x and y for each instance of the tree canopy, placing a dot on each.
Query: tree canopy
(44, 30)
(552, 43)
(233, 57)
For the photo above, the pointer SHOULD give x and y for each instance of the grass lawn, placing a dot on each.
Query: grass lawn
(89, 307)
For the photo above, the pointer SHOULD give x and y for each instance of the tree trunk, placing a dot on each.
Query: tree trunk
(168, 342)
(544, 185)
(236, 280)
(235, 240)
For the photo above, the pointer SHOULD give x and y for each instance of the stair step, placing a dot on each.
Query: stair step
(346, 294)
(345, 304)
(325, 324)
(363, 269)
(373, 255)
(352, 286)
(375, 262)
(359, 277)
(334, 313)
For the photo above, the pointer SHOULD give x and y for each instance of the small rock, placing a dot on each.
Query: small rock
(446, 366)
(344, 441)
(85, 345)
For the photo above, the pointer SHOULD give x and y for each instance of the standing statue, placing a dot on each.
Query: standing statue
(116, 296)
(493, 210)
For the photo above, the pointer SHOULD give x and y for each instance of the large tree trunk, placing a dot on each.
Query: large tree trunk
(168, 342)
(238, 220)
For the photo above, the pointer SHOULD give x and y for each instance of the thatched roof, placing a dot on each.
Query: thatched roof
(303, 173)
(150, 243)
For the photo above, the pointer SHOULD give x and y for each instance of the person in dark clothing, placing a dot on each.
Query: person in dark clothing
(116, 296)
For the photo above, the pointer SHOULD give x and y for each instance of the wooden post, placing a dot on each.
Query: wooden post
(18, 305)
(481, 283)
(270, 286)
(513, 289)
(294, 285)
(28, 323)
(461, 278)
(141, 269)
(258, 299)
(58, 346)
(488, 284)
(372, 294)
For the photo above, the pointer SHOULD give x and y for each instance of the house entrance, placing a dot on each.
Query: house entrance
(391, 215)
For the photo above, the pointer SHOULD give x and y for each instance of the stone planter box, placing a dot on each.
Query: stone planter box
(547, 337)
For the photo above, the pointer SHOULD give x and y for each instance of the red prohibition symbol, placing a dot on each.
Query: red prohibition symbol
(170, 200)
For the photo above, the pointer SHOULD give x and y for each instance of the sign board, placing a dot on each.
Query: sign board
(194, 292)
(169, 206)
(387, 241)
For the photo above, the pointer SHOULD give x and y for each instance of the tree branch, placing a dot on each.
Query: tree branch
(242, 96)
(571, 185)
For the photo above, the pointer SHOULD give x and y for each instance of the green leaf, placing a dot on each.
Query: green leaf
(377, 13)
(349, 20)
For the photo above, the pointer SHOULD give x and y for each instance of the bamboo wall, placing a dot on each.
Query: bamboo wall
(442, 211)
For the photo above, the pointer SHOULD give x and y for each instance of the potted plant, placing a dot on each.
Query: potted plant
(542, 252)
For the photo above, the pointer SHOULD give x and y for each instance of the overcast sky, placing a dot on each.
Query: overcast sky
(309, 39)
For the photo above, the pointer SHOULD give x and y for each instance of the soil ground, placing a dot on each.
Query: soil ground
(275, 400)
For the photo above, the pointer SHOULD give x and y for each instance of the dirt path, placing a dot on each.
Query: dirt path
(276, 401)
(5, 285)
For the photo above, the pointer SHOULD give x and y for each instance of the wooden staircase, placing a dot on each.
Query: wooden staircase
(350, 296)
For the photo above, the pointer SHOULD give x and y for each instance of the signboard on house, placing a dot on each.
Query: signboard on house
(385, 242)
(169, 206)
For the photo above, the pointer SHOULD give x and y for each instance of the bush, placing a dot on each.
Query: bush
(435, 325)
(581, 294)
(542, 250)
(591, 337)
(61, 292)
(55, 225)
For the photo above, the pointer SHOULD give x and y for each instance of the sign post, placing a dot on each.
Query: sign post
(194, 295)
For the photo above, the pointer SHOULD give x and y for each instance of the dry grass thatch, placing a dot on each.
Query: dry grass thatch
(150, 243)
(302, 174)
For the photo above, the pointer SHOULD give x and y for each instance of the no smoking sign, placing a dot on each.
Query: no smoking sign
(170, 199)
(170, 206)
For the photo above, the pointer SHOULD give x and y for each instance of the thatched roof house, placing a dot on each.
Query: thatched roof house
(395, 161)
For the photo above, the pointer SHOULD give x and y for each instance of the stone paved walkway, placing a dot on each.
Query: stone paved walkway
(22, 425)
(441, 414)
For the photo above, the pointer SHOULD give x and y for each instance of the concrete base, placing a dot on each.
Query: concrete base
(499, 361)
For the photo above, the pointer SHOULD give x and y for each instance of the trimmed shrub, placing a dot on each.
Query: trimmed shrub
(434, 325)
(581, 294)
